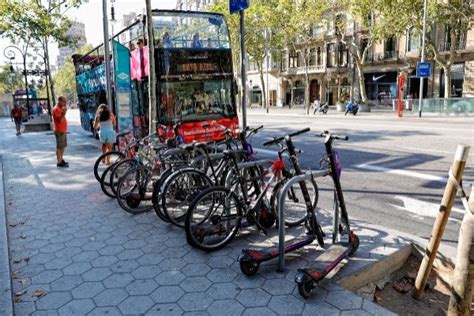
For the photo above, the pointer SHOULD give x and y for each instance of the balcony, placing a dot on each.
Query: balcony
(446, 47)
(302, 70)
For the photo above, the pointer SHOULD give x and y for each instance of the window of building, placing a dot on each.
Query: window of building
(312, 57)
(390, 44)
(461, 39)
(293, 59)
(319, 57)
(331, 55)
(300, 59)
(343, 56)
(413, 40)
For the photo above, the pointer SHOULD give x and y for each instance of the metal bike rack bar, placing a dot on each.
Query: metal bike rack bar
(281, 213)
(249, 164)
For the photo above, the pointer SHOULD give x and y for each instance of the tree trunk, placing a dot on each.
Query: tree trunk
(292, 95)
(360, 73)
(447, 81)
(306, 91)
(264, 94)
(48, 69)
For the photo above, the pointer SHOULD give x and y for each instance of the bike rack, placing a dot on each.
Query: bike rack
(281, 214)
(249, 164)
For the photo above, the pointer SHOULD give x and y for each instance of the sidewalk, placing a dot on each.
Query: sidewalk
(70, 242)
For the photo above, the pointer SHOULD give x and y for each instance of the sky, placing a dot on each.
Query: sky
(91, 15)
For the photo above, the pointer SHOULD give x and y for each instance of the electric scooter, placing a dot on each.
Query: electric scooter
(308, 277)
(250, 259)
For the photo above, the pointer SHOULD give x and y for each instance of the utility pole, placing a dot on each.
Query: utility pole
(242, 70)
(422, 57)
(152, 75)
(107, 54)
(267, 33)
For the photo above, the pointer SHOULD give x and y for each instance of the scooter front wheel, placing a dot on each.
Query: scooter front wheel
(305, 284)
(355, 244)
(249, 267)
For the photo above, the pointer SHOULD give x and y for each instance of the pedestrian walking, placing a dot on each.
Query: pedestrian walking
(60, 130)
(17, 115)
(105, 119)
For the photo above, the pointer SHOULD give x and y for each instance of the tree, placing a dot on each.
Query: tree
(370, 22)
(456, 16)
(300, 19)
(37, 21)
(9, 82)
(65, 79)
(262, 33)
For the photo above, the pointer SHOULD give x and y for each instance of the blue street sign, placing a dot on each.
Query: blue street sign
(423, 70)
(238, 5)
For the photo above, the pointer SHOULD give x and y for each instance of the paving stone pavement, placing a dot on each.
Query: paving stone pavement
(68, 239)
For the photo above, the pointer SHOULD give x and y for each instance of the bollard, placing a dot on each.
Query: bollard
(439, 226)
(461, 289)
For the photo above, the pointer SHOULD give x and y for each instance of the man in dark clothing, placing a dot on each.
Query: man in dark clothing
(17, 115)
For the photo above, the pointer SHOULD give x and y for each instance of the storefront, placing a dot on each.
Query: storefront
(457, 81)
(381, 85)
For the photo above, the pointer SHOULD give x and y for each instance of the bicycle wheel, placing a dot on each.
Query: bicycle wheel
(117, 172)
(104, 183)
(179, 191)
(134, 191)
(295, 206)
(213, 219)
(156, 197)
(100, 164)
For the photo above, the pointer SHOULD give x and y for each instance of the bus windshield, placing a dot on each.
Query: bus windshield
(190, 30)
(196, 100)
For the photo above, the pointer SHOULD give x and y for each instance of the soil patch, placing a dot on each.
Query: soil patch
(394, 291)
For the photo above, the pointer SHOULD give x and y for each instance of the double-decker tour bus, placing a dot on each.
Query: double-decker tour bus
(195, 81)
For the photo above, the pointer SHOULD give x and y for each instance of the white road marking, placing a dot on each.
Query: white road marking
(412, 174)
(422, 209)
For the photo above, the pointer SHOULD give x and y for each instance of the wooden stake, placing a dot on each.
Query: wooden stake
(461, 290)
(447, 203)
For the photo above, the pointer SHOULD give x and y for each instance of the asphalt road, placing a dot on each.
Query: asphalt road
(394, 169)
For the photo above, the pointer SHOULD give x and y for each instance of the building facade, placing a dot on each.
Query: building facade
(77, 31)
(332, 75)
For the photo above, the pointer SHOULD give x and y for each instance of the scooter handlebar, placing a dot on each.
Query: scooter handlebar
(279, 139)
(333, 136)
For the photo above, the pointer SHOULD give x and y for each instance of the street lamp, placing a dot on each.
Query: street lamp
(9, 52)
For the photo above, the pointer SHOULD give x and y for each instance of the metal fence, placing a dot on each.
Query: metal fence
(444, 106)
(435, 105)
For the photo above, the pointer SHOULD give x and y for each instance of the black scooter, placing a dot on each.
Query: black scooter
(308, 277)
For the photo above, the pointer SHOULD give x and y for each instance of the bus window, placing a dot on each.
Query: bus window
(192, 30)
(197, 100)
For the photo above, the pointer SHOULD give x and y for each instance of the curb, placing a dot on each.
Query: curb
(6, 298)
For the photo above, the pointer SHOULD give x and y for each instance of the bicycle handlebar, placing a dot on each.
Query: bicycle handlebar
(333, 136)
(279, 139)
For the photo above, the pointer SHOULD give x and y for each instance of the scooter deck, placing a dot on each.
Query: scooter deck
(270, 253)
(328, 260)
